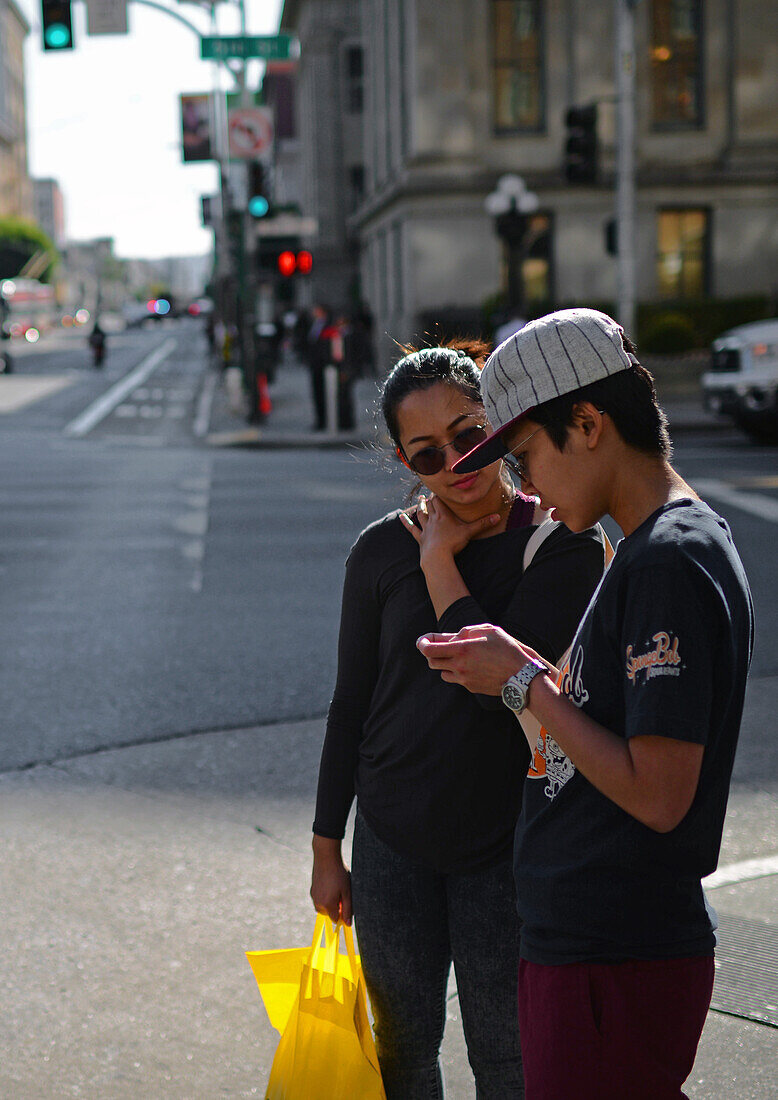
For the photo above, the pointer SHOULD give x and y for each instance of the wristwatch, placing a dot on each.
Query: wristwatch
(515, 691)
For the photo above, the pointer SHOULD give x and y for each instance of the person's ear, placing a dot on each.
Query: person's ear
(402, 458)
(588, 419)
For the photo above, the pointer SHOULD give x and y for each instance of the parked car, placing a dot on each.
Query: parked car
(742, 381)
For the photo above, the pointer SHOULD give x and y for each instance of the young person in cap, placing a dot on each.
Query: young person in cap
(624, 803)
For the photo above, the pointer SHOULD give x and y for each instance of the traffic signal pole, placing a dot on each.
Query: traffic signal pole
(625, 163)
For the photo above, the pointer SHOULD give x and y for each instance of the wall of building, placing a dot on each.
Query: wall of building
(451, 257)
(330, 141)
(15, 185)
(431, 153)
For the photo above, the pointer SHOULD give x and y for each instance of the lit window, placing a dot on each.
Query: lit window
(676, 63)
(682, 253)
(518, 65)
(536, 266)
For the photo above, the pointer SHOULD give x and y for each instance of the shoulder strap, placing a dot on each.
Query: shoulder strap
(537, 538)
(544, 529)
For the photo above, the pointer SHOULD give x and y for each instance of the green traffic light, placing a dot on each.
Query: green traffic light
(57, 36)
(258, 206)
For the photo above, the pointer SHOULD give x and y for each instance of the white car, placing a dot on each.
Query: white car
(742, 382)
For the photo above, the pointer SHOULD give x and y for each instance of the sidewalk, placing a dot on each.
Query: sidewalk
(136, 878)
(289, 423)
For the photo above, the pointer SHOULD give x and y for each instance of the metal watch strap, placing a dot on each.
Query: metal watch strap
(519, 684)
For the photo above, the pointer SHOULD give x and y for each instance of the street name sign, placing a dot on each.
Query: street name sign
(273, 47)
(286, 225)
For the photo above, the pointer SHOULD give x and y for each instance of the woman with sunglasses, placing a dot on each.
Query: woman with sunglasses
(437, 772)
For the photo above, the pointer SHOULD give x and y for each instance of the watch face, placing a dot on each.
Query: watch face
(513, 697)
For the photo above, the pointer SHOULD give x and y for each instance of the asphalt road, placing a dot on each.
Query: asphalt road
(168, 630)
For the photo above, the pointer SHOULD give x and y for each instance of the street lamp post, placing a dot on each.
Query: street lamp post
(511, 205)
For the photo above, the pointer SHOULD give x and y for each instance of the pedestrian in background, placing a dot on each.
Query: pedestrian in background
(509, 325)
(436, 772)
(317, 357)
(625, 799)
(342, 357)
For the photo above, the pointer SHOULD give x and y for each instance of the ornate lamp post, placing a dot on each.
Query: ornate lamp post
(511, 205)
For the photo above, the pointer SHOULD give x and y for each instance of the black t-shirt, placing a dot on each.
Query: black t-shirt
(437, 771)
(663, 650)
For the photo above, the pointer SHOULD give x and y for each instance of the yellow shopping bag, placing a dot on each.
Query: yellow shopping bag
(315, 997)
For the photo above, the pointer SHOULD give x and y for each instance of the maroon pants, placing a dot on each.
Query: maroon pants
(619, 1031)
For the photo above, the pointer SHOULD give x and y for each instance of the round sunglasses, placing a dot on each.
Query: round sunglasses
(431, 460)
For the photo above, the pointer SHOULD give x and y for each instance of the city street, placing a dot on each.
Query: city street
(168, 635)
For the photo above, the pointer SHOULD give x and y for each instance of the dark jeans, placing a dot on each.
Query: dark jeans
(411, 924)
(317, 395)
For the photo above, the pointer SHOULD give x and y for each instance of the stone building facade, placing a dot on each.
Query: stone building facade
(16, 199)
(329, 107)
(49, 207)
(453, 97)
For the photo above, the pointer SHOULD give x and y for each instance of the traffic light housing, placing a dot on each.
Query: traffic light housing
(259, 199)
(581, 144)
(56, 25)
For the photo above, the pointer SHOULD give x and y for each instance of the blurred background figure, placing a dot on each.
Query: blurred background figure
(97, 344)
(510, 324)
(317, 356)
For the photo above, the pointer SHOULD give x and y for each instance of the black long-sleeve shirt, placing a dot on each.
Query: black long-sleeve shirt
(439, 772)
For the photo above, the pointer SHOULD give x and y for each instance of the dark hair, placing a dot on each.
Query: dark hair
(628, 397)
(456, 363)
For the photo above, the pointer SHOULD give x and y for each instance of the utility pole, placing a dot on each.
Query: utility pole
(239, 173)
(625, 162)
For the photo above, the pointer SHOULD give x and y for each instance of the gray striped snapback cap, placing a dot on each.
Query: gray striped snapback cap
(556, 354)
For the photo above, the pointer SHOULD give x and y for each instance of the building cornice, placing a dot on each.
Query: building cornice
(423, 183)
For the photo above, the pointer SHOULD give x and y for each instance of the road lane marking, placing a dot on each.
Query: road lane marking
(754, 503)
(107, 402)
(15, 393)
(747, 869)
(204, 405)
(194, 524)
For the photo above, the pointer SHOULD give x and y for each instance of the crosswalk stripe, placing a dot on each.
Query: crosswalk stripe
(756, 504)
(741, 872)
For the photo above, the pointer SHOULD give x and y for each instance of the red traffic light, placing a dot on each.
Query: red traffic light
(287, 263)
(304, 262)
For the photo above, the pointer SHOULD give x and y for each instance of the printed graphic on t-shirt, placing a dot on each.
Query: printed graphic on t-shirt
(548, 761)
(660, 657)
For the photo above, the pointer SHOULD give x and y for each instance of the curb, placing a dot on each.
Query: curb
(258, 439)
(692, 425)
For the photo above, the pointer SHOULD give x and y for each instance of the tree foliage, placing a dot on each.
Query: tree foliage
(20, 240)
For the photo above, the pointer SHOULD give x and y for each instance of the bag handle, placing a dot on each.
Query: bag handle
(332, 941)
(529, 722)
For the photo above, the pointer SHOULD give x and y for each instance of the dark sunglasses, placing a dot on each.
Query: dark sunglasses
(431, 460)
